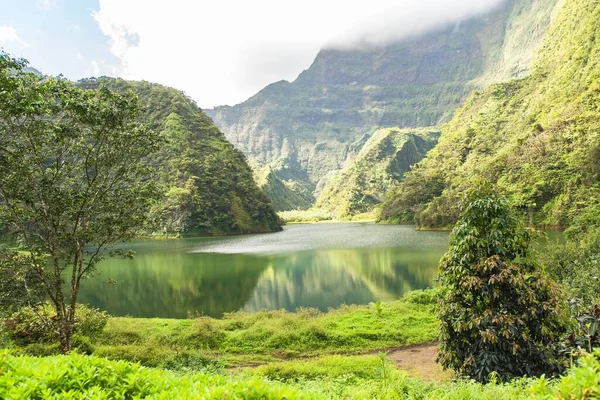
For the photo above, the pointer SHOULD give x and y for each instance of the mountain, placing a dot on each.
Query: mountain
(302, 131)
(208, 185)
(378, 167)
(537, 138)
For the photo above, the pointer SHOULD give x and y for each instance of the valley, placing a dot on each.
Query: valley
(413, 217)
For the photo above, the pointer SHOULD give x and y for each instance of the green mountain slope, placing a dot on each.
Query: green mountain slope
(377, 168)
(538, 138)
(208, 185)
(317, 124)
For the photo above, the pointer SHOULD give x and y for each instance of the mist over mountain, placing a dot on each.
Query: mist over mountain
(302, 132)
(536, 138)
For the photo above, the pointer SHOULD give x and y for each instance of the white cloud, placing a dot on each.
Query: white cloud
(46, 4)
(94, 69)
(91, 68)
(8, 34)
(222, 52)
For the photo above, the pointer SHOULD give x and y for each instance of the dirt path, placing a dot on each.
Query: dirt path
(419, 361)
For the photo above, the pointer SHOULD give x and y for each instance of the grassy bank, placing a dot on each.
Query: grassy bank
(253, 338)
(241, 339)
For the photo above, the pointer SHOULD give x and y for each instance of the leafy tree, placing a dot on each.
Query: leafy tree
(73, 181)
(497, 313)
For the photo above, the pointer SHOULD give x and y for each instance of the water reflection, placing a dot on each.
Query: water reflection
(320, 266)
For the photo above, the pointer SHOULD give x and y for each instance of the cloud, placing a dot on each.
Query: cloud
(222, 52)
(92, 68)
(8, 34)
(46, 4)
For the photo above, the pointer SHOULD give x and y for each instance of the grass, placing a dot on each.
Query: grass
(255, 338)
(268, 355)
(329, 377)
(314, 215)
(305, 216)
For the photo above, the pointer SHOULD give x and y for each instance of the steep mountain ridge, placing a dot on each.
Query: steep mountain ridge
(537, 138)
(302, 131)
(208, 185)
(378, 167)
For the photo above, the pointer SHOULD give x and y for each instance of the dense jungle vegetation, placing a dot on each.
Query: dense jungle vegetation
(537, 138)
(302, 132)
(207, 184)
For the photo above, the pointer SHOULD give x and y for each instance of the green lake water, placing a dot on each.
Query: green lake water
(317, 265)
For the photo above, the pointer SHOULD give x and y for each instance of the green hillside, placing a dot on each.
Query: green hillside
(305, 130)
(377, 168)
(538, 137)
(208, 185)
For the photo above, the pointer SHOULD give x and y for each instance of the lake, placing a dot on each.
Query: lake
(316, 265)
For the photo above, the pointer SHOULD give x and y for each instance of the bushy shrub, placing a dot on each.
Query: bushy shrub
(82, 344)
(208, 335)
(38, 325)
(76, 376)
(42, 349)
(497, 313)
(427, 296)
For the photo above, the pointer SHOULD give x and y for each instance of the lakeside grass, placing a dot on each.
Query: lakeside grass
(256, 338)
(315, 215)
(266, 355)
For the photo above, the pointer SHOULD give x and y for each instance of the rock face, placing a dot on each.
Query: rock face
(301, 132)
(536, 138)
(377, 168)
(208, 185)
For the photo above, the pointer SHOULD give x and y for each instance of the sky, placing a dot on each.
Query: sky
(218, 52)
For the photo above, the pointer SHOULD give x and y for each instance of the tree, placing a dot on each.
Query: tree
(497, 313)
(73, 181)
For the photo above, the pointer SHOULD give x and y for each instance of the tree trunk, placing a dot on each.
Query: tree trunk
(66, 335)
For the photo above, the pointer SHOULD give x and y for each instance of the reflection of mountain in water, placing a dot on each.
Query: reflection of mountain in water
(320, 265)
(329, 278)
(173, 285)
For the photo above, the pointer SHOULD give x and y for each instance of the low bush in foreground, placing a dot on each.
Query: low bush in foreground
(38, 325)
(331, 377)
(76, 376)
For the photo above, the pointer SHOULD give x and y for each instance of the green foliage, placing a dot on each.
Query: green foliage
(498, 315)
(254, 337)
(332, 377)
(307, 129)
(378, 307)
(305, 216)
(427, 296)
(379, 166)
(373, 377)
(576, 263)
(537, 138)
(73, 181)
(580, 382)
(22, 280)
(207, 186)
(77, 376)
(39, 324)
